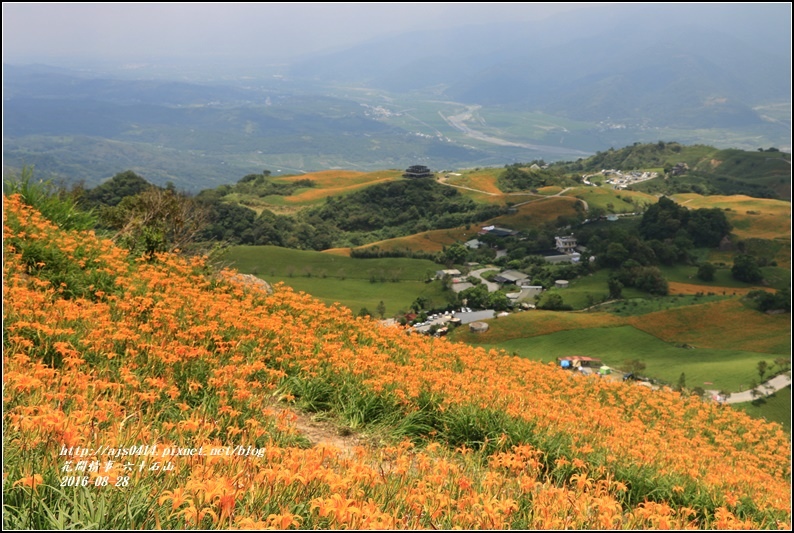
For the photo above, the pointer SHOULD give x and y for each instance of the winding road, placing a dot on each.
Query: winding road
(779, 382)
(443, 180)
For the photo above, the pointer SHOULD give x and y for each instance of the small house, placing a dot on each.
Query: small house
(565, 244)
(452, 272)
(510, 276)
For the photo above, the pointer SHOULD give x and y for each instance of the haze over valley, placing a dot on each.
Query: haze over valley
(439, 90)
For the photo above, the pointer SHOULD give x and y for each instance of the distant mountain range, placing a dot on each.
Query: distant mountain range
(456, 97)
(644, 64)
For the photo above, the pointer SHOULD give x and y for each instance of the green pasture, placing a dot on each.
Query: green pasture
(356, 294)
(354, 283)
(276, 262)
(773, 408)
(688, 274)
(589, 290)
(775, 277)
(731, 370)
(611, 200)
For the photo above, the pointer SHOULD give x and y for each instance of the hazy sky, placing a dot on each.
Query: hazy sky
(66, 32)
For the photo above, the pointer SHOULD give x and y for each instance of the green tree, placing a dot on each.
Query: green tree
(381, 309)
(707, 227)
(113, 191)
(554, 302)
(498, 301)
(615, 288)
(706, 272)
(681, 385)
(476, 297)
(754, 391)
(745, 268)
(455, 254)
(616, 255)
(763, 366)
(420, 303)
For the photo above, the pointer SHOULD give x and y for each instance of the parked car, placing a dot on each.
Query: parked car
(633, 377)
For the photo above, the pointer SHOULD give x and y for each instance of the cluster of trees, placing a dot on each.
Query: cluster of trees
(405, 207)
(144, 218)
(260, 185)
(766, 301)
(375, 213)
(645, 278)
(667, 220)
(478, 297)
(530, 176)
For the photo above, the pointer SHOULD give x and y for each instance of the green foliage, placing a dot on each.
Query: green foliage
(52, 202)
(455, 254)
(156, 220)
(712, 171)
(706, 271)
(681, 384)
(668, 220)
(646, 279)
(400, 208)
(113, 191)
(260, 185)
(229, 223)
(553, 302)
(615, 288)
(745, 268)
(475, 297)
(642, 156)
(766, 301)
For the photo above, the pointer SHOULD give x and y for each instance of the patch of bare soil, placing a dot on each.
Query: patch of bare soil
(322, 432)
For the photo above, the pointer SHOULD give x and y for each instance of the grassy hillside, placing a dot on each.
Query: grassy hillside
(752, 218)
(653, 332)
(327, 184)
(102, 352)
(731, 370)
(764, 174)
(353, 283)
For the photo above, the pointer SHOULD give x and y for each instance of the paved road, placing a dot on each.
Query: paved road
(492, 287)
(775, 384)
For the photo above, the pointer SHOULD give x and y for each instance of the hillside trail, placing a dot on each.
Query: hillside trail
(321, 432)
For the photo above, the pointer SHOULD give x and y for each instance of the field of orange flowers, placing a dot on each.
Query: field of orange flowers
(141, 393)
